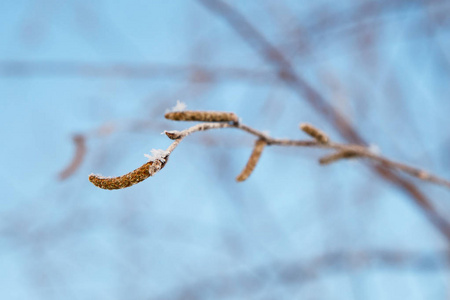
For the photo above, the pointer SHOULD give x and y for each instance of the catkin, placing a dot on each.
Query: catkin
(252, 161)
(202, 116)
(140, 174)
(319, 135)
(337, 156)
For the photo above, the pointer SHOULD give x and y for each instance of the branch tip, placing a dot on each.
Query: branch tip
(173, 134)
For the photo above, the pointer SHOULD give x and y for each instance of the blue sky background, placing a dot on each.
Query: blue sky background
(108, 70)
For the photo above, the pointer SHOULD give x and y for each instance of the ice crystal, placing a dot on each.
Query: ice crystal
(157, 154)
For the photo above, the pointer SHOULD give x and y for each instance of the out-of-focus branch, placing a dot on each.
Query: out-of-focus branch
(294, 274)
(80, 151)
(287, 73)
(199, 73)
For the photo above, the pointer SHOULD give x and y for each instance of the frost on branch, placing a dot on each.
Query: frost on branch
(172, 134)
(180, 106)
(157, 154)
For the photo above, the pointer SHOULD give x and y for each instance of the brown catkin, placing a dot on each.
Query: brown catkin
(319, 135)
(337, 156)
(252, 161)
(202, 116)
(140, 174)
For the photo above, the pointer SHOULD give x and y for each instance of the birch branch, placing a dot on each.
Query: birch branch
(321, 140)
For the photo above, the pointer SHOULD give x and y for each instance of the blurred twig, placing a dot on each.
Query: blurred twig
(80, 151)
(296, 273)
(199, 73)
